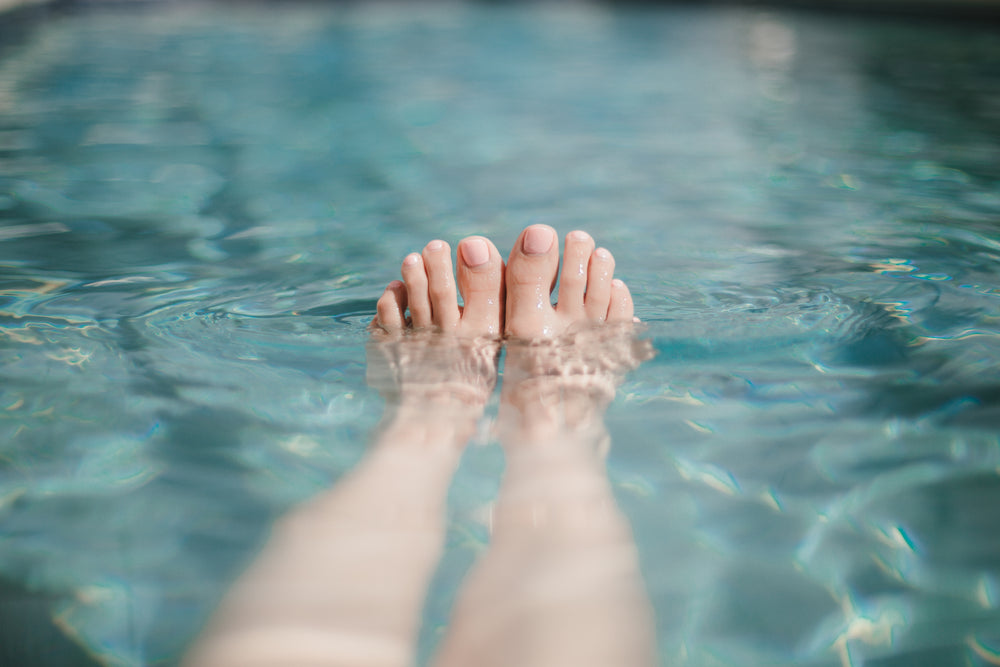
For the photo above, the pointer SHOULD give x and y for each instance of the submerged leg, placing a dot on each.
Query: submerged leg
(560, 583)
(343, 577)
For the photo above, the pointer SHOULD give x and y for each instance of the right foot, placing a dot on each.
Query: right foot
(564, 361)
(588, 293)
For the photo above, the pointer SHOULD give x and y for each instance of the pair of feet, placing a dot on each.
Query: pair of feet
(512, 300)
(563, 361)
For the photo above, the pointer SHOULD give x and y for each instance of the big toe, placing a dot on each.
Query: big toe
(480, 280)
(530, 276)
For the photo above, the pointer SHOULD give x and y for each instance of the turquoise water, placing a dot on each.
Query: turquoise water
(199, 206)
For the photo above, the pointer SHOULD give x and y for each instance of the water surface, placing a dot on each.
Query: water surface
(199, 206)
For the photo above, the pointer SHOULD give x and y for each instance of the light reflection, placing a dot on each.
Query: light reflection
(893, 265)
(895, 536)
(870, 624)
(128, 280)
(710, 475)
(639, 485)
(929, 171)
(10, 232)
(988, 591)
(700, 428)
(990, 652)
(770, 498)
(73, 356)
(772, 43)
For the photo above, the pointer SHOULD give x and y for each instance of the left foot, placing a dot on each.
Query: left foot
(428, 292)
(440, 355)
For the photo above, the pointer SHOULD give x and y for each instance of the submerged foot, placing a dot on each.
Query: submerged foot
(588, 292)
(564, 361)
(427, 351)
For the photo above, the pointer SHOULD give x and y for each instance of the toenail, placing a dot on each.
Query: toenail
(411, 259)
(618, 283)
(603, 253)
(537, 240)
(475, 252)
(435, 245)
(395, 284)
(579, 235)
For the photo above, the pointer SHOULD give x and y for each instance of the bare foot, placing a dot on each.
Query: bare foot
(428, 292)
(588, 292)
(426, 350)
(565, 361)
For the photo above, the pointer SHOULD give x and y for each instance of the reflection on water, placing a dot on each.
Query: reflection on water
(200, 205)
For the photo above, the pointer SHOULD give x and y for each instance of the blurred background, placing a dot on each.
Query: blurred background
(973, 8)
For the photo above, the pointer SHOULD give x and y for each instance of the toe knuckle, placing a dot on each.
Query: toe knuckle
(441, 290)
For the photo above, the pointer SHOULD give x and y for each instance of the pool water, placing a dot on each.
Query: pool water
(199, 205)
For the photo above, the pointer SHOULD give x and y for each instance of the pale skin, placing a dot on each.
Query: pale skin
(343, 578)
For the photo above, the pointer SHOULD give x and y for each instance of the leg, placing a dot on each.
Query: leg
(560, 584)
(343, 577)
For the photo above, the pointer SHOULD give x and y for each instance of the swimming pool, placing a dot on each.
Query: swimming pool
(200, 204)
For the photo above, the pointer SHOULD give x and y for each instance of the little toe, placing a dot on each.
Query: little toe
(441, 284)
(530, 275)
(599, 275)
(417, 299)
(620, 309)
(573, 276)
(480, 280)
(391, 308)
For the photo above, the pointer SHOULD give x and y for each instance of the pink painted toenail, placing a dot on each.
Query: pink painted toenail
(475, 252)
(579, 236)
(537, 240)
(435, 245)
(603, 253)
(411, 259)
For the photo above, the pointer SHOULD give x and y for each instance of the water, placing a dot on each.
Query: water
(199, 206)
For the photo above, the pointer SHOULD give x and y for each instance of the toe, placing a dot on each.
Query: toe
(530, 275)
(599, 276)
(620, 309)
(573, 276)
(441, 284)
(417, 299)
(480, 280)
(391, 308)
